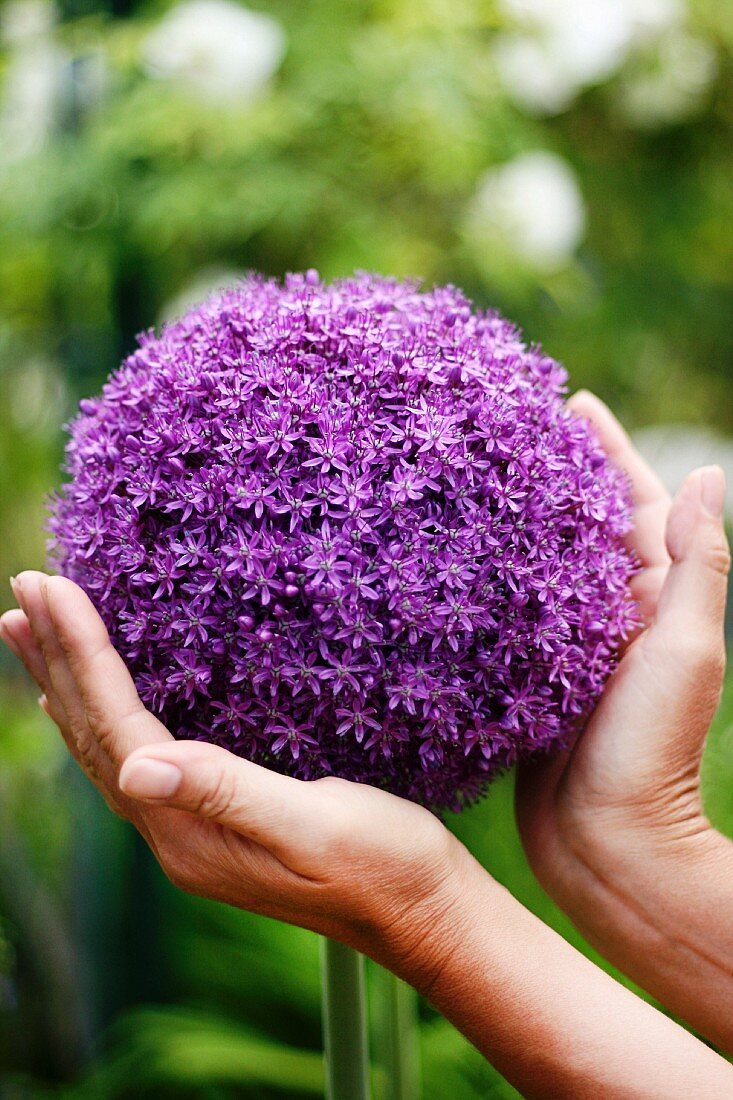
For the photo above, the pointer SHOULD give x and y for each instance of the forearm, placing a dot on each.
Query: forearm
(546, 1017)
(662, 912)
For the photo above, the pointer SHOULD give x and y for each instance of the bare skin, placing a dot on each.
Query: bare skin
(615, 831)
(377, 872)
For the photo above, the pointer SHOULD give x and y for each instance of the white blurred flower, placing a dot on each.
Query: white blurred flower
(217, 48)
(673, 450)
(651, 18)
(670, 84)
(533, 207)
(25, 20)
(559, 47)
(35, 78)
(535, 77)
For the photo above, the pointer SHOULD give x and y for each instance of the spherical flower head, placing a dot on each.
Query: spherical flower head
(351, 530)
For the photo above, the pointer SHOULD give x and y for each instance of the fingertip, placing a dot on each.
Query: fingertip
(184, 755)
(75, 619)
(13, 618)
(6, 633)
(149, 778)
(713, 491)
(611, 433)
(698, 547)
(58, 583)
(703, 489)
(26, 578)
(29, 589)
(15, 631)
(581, 396)
(58, 589)
(586, 403)
(53, 594)
(16, 585)
(683, 515)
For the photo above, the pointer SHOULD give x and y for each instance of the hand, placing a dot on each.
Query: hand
(345, 860)
(356, 864)
(615, 829)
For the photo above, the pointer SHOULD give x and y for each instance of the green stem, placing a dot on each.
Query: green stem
(398, 1036)
(344, 1022)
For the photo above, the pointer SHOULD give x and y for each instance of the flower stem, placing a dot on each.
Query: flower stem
(344, 1022)
(398, 1034)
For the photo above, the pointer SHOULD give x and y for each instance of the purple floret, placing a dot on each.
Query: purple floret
(351, 530)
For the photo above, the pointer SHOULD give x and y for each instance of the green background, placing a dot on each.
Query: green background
(364, 151)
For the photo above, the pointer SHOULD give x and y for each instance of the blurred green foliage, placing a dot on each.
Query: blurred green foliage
(367, 149)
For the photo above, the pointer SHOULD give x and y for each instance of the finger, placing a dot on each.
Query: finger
(271, 809)
(651, 499)
(15, 631)
(48, 666)
(618, 446)
(645, 588)
(693, 598)
(88, 675)
(87, 731)
(248, 836)
(17, 634)
(658, 706)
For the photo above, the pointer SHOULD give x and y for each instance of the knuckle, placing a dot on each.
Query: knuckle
(98, 724)
(697, 654)
(341, 809)
(706, 658)
(719, 663)
(218, 797)
(84, 745)
(718, 557)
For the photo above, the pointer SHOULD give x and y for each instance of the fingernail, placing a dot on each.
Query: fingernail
(712, 490)
(17, 589)
(147, 778)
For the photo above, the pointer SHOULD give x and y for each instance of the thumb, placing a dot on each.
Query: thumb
(693, 597)
(212, 783)
(684, 648)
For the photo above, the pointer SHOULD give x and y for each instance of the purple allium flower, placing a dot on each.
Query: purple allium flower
(351, 530)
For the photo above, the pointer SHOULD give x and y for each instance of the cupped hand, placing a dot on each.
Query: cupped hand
(637, 763)
(349, 861)
(615, 830)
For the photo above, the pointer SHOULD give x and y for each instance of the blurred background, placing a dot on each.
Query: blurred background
(568, 161)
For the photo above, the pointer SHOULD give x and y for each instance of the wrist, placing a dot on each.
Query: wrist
(636, 844)
(657, 903)
(522, 996)
(418, 936)
(647, 856)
